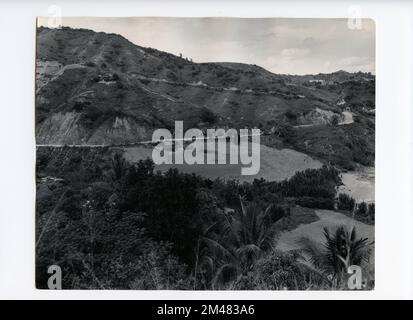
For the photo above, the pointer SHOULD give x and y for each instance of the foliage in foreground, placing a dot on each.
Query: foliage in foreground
(114, 225)
(341, 249)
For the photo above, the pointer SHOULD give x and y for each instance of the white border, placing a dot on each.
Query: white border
(394, 143)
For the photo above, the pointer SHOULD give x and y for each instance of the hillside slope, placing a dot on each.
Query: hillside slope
(98, 88)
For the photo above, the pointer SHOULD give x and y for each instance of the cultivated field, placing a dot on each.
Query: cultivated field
(275, 164)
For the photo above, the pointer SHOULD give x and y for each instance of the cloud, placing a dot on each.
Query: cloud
(295, 52)
(281, 45)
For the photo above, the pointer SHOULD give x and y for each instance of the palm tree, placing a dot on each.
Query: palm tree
(252, 233)
(341, 249)
(241, 241)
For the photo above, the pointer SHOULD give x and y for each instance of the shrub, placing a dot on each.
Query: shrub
(371, 211)
(208, 116)
(345, 202)
(315, 183)
(362, 209)
(276, 271)
(158, 269)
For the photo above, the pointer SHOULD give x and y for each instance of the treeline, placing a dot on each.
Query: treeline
(365, 212)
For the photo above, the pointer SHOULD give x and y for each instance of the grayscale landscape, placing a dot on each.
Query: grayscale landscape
(112, 219)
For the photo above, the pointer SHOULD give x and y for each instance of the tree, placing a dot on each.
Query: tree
(345, 202)
(371, 211)
(362, 209)
(243, 238)
(341, 249)
(252, 232)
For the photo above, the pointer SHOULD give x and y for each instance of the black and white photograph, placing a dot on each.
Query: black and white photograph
(205, 153)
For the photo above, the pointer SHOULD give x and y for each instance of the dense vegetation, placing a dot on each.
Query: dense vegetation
(364, 212)
(111, 224)
(342, 248)
(344, 146)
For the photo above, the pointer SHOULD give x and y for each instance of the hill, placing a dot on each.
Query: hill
(98, 88)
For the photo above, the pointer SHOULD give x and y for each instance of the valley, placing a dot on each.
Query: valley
(103, 204)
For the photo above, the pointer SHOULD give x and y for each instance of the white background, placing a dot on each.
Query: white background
(394, 138)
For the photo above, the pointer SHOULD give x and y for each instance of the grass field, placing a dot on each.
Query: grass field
(275, 164)
(314, 230)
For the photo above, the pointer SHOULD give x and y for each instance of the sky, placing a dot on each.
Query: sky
(280, 45)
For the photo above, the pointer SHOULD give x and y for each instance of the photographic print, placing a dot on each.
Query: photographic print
(205, 153)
